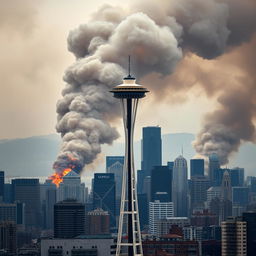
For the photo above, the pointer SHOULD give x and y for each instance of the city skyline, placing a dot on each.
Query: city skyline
(181, 181)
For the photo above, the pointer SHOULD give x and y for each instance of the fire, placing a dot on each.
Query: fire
(71, 163)
(57, 178)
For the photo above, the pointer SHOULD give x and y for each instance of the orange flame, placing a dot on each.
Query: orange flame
(57, 178)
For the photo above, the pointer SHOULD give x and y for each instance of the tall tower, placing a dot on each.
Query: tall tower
(129, 93)
(214, 166)
(180, 187)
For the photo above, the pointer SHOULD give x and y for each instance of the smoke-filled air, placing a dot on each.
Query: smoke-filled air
(158, 35)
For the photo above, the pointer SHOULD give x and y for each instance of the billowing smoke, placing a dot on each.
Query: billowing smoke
(233, 122)
(157, 34)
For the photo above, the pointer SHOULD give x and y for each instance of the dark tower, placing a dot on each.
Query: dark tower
(69, 219)
(129, 93)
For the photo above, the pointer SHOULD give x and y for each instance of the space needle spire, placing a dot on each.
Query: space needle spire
(129, 238)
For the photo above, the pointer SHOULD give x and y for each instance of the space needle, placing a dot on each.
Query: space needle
(129, 238)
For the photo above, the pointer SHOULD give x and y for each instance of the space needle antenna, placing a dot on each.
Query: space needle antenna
(129, 66)
(129, 242)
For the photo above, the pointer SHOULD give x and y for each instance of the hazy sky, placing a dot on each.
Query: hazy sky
(34, 57)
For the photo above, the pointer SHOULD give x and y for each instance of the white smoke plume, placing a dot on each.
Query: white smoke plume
(157, 34)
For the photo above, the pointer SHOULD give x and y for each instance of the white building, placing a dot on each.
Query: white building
(100, 245)
(159, 210)
(71, 188)
(180, 187)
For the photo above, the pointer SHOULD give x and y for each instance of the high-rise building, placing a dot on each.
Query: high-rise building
(237, 177)
(44, 200)
(180, 187)
(71, 188)
(212, 193)
(226, 197)
(196, 167)
(151, 148)
(115, 164)
(51, 199)
(159, 210)
(13, 212)
(251, 183)
(240, 196)
(198, 192)
(27, 191)
(250, 219)
(1, 186)
(233, 237)
(8, 237)
(97, 222)
(226, 189)
(143, 209)
(161, 181)
(69, 219)
(140, 181)
(104, 194)
(214, 165)
(8, 193)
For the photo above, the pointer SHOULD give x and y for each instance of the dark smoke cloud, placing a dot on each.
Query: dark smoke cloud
(153, 33)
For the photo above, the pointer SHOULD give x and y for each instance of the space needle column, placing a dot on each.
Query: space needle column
(129, 93)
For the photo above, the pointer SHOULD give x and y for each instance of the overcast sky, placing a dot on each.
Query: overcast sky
(34, 57)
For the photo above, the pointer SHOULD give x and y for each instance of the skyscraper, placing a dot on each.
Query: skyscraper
(180, 187)
(104, 194)
(161, 181)
(196, 167)
(115, 164)
(69, 219)
(237, 177)
(233, 237)
(1, 186)
(226, 197)
(214, 165)
(240, 196)
(250, 219)
(71, 188)
(129, 94)
(51, 199)
(198, 191)
(226, 189)
(151, 148)
(27, 191)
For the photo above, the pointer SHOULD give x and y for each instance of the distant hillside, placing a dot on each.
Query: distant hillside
(34, 156)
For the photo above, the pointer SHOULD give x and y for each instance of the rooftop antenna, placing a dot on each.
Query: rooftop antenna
(182, 150)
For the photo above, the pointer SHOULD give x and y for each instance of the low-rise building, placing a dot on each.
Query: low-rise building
(100, 245)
